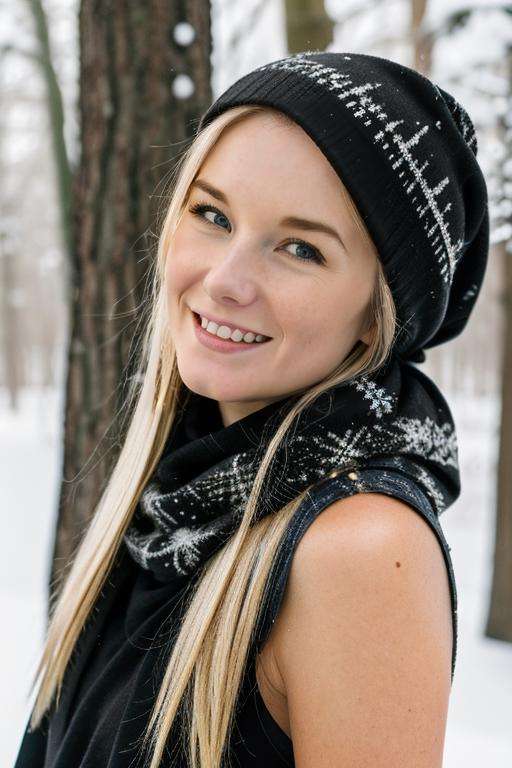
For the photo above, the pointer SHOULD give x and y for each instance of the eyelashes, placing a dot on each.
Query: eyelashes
(199, 209)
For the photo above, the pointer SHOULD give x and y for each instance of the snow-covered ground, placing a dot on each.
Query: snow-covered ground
(478, 731)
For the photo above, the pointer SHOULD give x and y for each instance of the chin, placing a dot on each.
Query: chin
(203, 385)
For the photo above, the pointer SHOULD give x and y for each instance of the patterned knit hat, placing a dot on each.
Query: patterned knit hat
(406, 151)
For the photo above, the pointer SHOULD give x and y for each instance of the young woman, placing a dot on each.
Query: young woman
(265, 581)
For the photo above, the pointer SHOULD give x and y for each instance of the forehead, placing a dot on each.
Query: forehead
(266, 142)
(266, 156)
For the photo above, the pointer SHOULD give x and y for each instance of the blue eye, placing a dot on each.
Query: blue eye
(199, 209)
(315, 253)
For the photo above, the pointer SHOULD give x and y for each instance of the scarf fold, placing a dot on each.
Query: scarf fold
(194, 501)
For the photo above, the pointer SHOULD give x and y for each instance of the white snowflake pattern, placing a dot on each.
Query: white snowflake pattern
(222, 493)
(432, 489)
(361, 99)
(181, 548)
(437, 442)
(381, 402)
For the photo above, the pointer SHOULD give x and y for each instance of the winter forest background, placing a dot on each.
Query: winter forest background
(76, 128)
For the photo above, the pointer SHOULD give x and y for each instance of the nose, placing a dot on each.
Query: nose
(236, 277)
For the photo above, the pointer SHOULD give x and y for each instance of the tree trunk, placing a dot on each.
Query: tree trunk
(56, 120)
(421, 43)
(131, 122)
(13, 348)
(499, 620)
(308, 26)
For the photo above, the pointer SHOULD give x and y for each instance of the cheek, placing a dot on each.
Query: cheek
(301, 327)
(179, 265)
(331, 314)
(174, 274)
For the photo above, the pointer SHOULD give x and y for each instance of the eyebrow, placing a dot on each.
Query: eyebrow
(288, 221)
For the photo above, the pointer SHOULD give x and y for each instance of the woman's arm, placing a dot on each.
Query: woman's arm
(364, 636)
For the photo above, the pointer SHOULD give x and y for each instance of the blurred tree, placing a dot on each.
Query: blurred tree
(144, 78)
(421, 42)
(499, 623)
(12, 348)
(13, 351)
(499, 620)
(308, 26)
(43, 56)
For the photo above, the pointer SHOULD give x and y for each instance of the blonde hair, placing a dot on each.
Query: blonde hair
(207, 661)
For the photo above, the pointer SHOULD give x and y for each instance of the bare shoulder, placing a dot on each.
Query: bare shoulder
(370, 522)
(363, 638)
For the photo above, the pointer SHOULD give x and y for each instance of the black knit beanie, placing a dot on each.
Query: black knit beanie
(406, 151)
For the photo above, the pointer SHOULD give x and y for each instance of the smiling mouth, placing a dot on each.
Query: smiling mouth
(241, 343)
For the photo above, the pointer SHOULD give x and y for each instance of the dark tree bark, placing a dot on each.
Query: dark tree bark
(132, 128)
(499, 620)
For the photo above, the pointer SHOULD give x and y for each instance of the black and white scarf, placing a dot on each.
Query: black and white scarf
(194, 500)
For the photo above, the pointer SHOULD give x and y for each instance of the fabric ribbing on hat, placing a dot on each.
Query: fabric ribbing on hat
(405, 149)
(362, 100)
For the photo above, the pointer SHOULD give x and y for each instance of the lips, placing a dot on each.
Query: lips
(218, 344)
(230, 324)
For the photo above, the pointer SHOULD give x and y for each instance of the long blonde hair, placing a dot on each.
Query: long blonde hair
(208, 657)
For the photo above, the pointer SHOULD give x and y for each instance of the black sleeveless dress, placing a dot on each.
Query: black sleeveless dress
(110, 688)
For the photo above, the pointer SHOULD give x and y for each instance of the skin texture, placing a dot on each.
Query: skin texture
(241, 266)
(357, 666)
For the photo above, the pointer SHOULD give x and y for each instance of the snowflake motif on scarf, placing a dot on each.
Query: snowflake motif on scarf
(365, 421)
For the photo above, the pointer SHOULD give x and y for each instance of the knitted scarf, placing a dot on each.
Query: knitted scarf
(194, 500)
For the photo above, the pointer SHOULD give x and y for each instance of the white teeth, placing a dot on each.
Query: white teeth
(224, 332)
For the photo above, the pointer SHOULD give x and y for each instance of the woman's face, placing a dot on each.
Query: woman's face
(237, 260)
